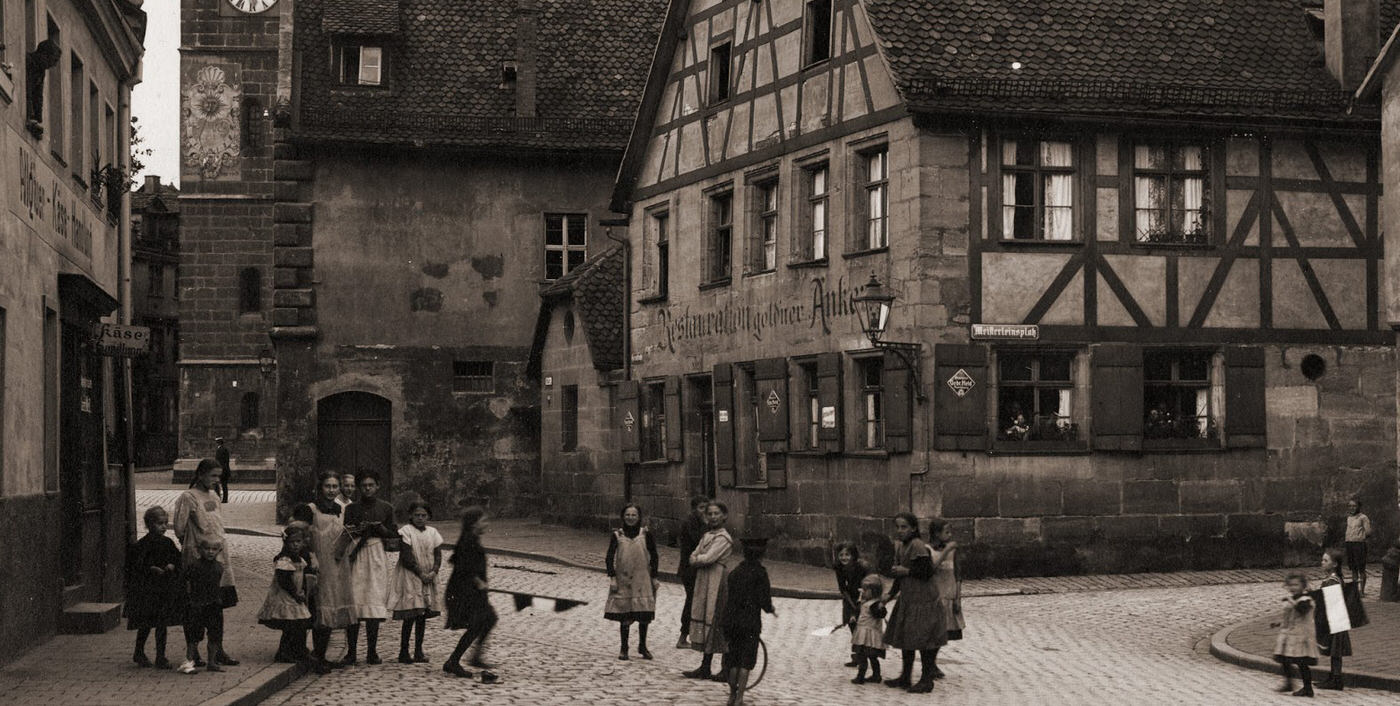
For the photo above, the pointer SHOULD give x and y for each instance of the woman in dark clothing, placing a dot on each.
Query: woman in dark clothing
(850, 571)
(632, 565)
(917, 621)
(468, 606)
(691, 531)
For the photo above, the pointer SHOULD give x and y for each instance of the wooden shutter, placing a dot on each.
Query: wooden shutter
(770, 378)
(675, 439)
(960, 423)
(829, 397)
(1245, 416)
(629, 421)
(724, 424)
(1116, 389)
(898, 381)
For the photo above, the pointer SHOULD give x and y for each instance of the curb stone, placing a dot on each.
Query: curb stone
(261, 686)
(1223, 651)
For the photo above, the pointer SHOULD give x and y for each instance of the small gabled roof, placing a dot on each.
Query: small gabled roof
(598, 292)
(164, 198)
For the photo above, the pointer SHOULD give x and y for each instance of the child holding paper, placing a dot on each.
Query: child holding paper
(1334, 645)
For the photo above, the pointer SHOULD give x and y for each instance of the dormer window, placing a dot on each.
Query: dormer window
(360, 64)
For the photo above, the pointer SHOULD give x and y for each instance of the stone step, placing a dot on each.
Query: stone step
(89, 618)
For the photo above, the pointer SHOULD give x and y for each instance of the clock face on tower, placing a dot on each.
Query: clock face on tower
(252, 6)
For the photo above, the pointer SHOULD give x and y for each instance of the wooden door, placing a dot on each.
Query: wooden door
(353, 433)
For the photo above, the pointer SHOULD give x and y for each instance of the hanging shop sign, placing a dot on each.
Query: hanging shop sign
(1005, 332)
(122, 341)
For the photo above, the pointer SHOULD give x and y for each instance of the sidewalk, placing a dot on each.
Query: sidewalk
(1375, 663)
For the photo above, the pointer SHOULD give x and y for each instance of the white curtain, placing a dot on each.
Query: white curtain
(1008, 209)
(1059, 191)
(1202, 411)
(1066, 410)
(1193, 189)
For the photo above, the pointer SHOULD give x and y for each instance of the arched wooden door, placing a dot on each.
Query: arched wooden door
(352, 432)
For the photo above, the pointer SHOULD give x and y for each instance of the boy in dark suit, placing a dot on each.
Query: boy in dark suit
(748, 591)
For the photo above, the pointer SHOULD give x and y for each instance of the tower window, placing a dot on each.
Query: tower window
(249, 417)
(249, 290)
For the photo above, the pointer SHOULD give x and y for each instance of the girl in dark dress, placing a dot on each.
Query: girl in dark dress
(468, 606)
(917, 622)
(1334, 645)
(153, 588)
(850, 571)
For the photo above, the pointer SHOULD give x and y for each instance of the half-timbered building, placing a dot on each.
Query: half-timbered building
(1136, 254)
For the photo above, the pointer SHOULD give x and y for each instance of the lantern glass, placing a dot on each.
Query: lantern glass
(875, 303)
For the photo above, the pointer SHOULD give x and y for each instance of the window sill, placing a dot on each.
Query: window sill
(1038, 243)
(759, 273)
(35, 128)
(7, 85)
(810, 453)
(820, 262)
(654, 463)
(80, 181)
(1173, 445)
(752, 486)
(716, 284)
(654, 299)
(868, 453)
(59, 158)
(863, 253)
(1149, 247)
(1039, 448)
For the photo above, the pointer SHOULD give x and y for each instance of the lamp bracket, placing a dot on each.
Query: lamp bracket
(909, 353)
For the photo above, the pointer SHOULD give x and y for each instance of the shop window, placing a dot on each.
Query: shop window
(1170, 193)
(1037, 190)
(474, 376)
(763, 248)
(565, 243)
(816, 32)
(250, 414)
(661, 223)
(721, 237)
(652, 404)
(871, 413)
(719, 73)
(568, 418)
(872, 217)
(1035, 397)
(811, 244)
(360, 64)
(249, 290)
(1177, 395)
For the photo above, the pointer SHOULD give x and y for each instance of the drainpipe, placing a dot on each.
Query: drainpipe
(626, 244)
(124, 290)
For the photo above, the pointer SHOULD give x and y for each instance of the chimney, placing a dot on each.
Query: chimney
(152, 184)
(526, 31)
(1352, 39)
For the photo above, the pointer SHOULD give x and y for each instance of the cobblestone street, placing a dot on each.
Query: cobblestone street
(1134, 646)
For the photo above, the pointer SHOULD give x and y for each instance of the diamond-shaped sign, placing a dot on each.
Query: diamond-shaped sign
(961, 383)
(628, 421)
(774, 402)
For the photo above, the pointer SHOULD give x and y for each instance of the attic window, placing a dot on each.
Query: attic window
(360, 64)
(816, 32)
(719, 73)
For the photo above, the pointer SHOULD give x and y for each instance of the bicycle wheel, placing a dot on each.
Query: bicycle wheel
(761, 668)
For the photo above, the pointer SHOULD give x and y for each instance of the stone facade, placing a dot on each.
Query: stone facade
(64, 253)
(155, 258)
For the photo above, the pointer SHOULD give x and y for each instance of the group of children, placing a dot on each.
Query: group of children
(1306, 630)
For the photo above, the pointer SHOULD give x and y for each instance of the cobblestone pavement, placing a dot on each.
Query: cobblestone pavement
(97, 669)
(1139, 647)
(1374, 646)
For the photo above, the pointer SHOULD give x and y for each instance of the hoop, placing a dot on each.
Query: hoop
(760, 669)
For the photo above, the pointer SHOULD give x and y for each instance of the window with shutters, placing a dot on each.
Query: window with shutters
(753, 465)
(810, 412)
(872, 223)
(652, 404)
(1037, 190)
(1035, 397)
(568, 418)
(870, 375)
(1171, 193)
(810, 245)
(720, 238)
(565, 243)
(1177, 395)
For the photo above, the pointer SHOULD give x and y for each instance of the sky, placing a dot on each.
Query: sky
(155, 102)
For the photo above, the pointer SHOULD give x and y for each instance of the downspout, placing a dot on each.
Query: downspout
(124, 291)
(626, 243)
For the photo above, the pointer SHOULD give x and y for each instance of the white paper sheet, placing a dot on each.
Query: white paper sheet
(1338, 620)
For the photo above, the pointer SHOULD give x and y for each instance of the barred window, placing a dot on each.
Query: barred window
(475, 376)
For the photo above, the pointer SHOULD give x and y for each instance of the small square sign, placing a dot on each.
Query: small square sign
(961, 383)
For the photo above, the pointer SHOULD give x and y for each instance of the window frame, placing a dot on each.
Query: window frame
(809, 413)
(651, 420)
(720, 73)
(862, 216)
(467, 380)
(805, 252)
(77, 116)
(1212, 385)
(1079, 439)
(155, 281)
(564, 248)
(763, 236)
(814, 51)
(717, 228)
(1206, 235)
(661, 220)
(340, 48)
(53, 83)
(997, 193)
(869, 418)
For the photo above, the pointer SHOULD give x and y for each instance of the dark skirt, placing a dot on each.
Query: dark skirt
(743, 649)
(415, 613)
(867, 651)
(280, 624)
(1338, 644)
(917, 621)
(469, 611)
(1308, 661)
(636, 616)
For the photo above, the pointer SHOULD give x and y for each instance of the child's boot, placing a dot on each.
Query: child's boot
(352, 637)
(874, 677)
(372, 643)
(1305, 691)
(860, 674)
(139, 657)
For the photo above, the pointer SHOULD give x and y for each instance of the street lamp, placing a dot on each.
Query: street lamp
(875, 303)
(267, 362)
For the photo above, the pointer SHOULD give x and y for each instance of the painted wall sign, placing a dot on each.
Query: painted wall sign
(774, 402)
(828, 303)
(829, 417)
(723, 416)
(961, 383)
(1005, 332)
(122, 341)
(52, 206)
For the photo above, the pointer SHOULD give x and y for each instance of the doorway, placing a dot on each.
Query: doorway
(353, 432)
(701, 424)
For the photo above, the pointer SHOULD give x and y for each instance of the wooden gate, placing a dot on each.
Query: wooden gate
(353, 433)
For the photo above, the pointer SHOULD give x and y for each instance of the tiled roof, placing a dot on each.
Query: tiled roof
(142, 198)
(599, 301)
(361, 16)
(444, 78)
(1255, 58)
